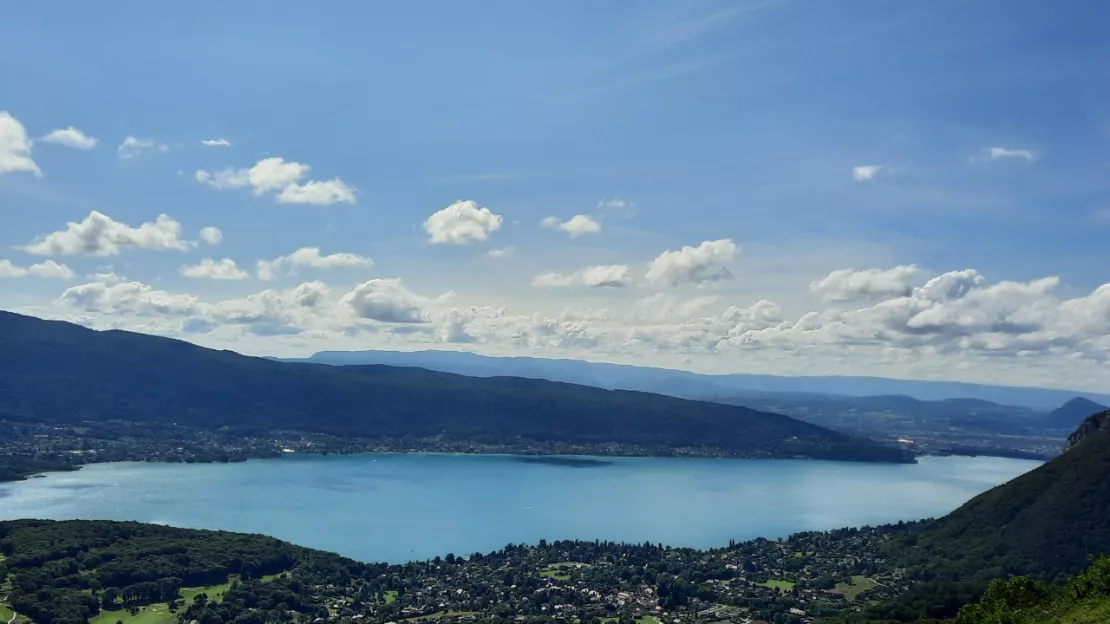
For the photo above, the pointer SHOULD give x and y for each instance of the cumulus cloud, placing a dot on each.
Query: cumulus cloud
(325, 193)
(211, 235)
(308, 257)
(461, 223)
(133, 298)
(850, 285)
(220, 142)
(386, 301)
(277, 175)
(46, 270)
(612, 275)
(109, 277)
(133, 147)
(575, 226)
(504, 252)
(208, 268)
(15, 147)
(71, 137)
(863, 173)
(699, 265)
(1001, 153)
(100, 235)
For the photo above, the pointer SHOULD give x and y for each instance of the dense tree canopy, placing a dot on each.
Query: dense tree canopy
(57, 372)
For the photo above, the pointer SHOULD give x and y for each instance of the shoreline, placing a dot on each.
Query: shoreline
(521, 456)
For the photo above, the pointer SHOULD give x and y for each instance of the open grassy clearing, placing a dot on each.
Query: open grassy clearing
(858, 585)
(5, 614)
(439, 615)
(159, 612)
(778, 584)
(390, 596)
(647, 619)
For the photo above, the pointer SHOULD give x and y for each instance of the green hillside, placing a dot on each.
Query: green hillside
(1085, 599)
(56, 372)
(1045, 523)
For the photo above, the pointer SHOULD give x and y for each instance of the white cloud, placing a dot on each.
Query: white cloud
(575, 226)
(224, 179)
(850, 285)
(15, 147)
(271, 174)
(863, 173)
(108, 277)
(616, 208)
(318, 193)
(504, 252)
(952, 321)
(699, 265)
(211, 235)
(214, 270)
(221, 142)
(612, 275)
(387, 301)
(100, 235)
(999, 153)
(133, 147)
(461, 223)
(46, 270)
(275, 174)
(308, 257)
(71, 137)
(129, 298)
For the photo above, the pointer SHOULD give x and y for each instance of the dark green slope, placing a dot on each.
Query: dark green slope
(1044, 523)
(57, 372)
(66, 572)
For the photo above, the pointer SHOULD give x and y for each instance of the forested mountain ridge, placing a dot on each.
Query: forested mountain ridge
(1046, 524)
(1071, 414)
(56, 372)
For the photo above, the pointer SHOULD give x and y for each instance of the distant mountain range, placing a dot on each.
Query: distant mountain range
(56, 372)
(693, 385)
(1071, 414)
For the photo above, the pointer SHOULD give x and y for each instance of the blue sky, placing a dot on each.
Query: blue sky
(812, 136)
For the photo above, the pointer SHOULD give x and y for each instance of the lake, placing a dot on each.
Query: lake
(401, 507)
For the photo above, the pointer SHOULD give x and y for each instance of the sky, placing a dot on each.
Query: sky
(904, 189)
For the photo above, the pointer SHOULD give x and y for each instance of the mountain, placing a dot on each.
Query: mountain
(56, 372)
(886, 414)
(693, 385)
(1094, 425)
(1071, 414)
(1045, 523)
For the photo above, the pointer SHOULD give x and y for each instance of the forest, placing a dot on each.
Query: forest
(58, 373)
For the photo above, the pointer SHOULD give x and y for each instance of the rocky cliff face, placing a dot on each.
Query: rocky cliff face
(1100, 422)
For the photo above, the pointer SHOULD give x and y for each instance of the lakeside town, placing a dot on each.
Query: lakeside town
(790, 581)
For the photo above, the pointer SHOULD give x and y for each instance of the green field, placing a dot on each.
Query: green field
(5, 614)
(159, 613)
(438, 615)
(778, 584)
(560, 571)
(858, 585)
(647, 619)
(390, 596)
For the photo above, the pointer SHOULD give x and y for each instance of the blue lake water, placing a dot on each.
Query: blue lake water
(402, 507)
